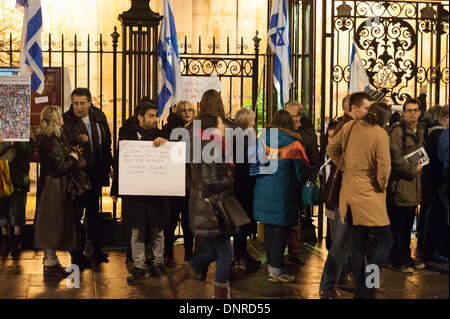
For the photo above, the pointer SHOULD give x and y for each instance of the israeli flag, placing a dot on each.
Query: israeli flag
(359, 82)
(279, 43)
(169, 74)
(31, 53)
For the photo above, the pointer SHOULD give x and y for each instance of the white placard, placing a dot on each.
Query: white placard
(147, 170)
(40, 100)
(195, 86)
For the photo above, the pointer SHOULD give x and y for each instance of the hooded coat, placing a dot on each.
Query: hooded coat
(278, 195)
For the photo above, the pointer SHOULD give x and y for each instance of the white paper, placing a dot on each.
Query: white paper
(40, 100)
(423, 156)
(397, 108)
(147, 170)
(15, 108)
(195, 86)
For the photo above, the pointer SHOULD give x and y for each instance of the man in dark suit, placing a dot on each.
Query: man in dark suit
(86, 126)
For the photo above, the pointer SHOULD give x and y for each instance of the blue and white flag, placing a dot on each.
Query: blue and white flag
(169, 74)
(279, 43)
(359, 82)
(31, 53)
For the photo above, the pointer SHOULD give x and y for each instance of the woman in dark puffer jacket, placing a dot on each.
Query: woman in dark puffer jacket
(210, 182)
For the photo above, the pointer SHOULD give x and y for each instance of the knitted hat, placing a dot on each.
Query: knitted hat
(376, 95)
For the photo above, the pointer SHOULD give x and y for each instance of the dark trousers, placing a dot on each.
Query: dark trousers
(89, 204)
(179, 205)
(359, 236)
(275, 240)
(240, 245)
(294, 239)
(436, 225)
(402, 221)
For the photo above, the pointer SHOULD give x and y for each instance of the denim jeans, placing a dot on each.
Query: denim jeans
(359, 235)
(338, 253)
(217, 249)
(275, 240)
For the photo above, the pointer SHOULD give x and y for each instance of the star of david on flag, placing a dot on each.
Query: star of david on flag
(279, 43)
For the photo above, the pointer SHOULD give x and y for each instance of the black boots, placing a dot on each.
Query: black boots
(15, 246)
(6, 246)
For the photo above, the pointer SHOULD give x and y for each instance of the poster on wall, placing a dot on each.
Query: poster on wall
(15, 105)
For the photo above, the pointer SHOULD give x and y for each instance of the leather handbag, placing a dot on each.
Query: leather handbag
(310, 194)
(336, 182)
(230, 214)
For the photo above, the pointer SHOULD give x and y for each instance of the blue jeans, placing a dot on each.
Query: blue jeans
(215, 248)
(338, 254)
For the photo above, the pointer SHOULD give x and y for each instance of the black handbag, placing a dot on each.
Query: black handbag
(77, 183)
(230, 214)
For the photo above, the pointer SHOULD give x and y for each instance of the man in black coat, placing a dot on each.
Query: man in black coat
(435, 239)
(86, 126)
(145, 216)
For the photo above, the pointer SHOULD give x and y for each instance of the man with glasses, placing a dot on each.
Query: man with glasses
(404, 192)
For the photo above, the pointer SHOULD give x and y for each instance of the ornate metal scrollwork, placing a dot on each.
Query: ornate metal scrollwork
(388, 46)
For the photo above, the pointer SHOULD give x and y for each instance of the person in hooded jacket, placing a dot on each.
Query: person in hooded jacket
(180, 118)
(278, 194)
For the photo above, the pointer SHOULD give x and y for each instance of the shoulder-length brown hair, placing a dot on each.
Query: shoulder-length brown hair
(211, 103)
(283, 119)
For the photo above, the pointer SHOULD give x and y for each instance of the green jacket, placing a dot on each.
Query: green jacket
(405, 180)
(19, 165)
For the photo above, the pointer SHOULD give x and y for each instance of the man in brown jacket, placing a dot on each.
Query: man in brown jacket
(338, 255)
(404, 192)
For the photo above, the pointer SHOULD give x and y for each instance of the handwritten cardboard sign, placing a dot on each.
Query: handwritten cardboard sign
(147, 170)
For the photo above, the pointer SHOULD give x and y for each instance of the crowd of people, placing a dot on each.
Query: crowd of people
(370, 223)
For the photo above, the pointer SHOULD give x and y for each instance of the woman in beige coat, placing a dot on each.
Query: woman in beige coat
(366, 165)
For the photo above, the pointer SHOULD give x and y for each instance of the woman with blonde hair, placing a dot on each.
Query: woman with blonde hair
(55, 226)
(244, 186)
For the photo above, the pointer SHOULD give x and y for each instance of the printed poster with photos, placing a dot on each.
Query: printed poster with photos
(15, 104)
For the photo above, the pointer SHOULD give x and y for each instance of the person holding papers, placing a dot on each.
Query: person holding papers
(145, 216)
(404, 192)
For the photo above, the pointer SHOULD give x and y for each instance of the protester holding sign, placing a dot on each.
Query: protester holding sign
(145, 216)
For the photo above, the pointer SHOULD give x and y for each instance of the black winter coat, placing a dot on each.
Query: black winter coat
(244, 187)
(309, 140)
(208, 181)
(99, 161)
(141, 212)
